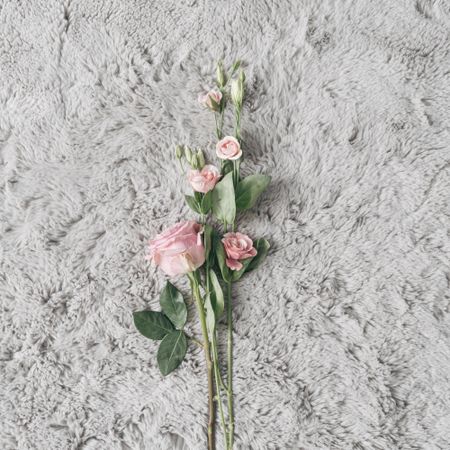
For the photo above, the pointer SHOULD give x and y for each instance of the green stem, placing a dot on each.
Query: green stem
(194, 340)
(219, 386)
(230, 365)
(237, 131)
(201, 312)
(218, 132)
(219, 123)
(217, 376)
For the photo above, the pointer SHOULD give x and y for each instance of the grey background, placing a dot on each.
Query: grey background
(342, 339)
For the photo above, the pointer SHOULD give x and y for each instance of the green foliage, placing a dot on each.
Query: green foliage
(172, 351)
(217, 299)
(262, 247)
(193, 204)
(161, 326)
(208, 243)
(206, 203)
(221, 258)
(223, 202)
(173, 306)
(249, 189)
(152, 324)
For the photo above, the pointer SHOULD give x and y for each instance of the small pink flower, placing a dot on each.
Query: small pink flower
(204, 180)
(237, 246)
(228, 148)
(179, 249)
(205, 99)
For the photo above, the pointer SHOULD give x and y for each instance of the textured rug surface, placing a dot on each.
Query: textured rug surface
(342, 338)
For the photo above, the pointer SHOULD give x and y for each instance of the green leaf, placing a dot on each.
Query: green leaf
(217, 299)
(198, 197)
(249, 189)
(173, 306)
(210, 316)
(214, 104)
(192, 203)
(237, 274)
(262, 247)
(227, 166)
(208, 242)
(223, 202)
(171, 351)
(152, 324)
(221, 258)
(206, 202)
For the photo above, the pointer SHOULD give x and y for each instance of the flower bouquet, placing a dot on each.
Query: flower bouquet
(211, 252)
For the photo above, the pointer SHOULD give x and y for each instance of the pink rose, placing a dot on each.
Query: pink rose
(237, 246)
(228, 148)
(204, 180)
(205, 99)
(179, 249)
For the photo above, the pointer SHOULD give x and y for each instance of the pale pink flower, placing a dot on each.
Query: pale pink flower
(204, 180)
(205, 99)
(179, 249)
(237, 246)
(228, 148)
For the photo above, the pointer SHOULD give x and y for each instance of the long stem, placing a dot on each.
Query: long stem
(219, 123)
(237, 131)
(201, 313)
(216, 367)
(230, 366)
(219, 386)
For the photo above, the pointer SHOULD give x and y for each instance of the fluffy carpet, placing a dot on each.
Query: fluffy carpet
(342, 338)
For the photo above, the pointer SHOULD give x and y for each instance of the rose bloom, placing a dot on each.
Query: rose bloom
(205, 99)
(237, 246)
(228, 148)
(179, 249)
(204, 180)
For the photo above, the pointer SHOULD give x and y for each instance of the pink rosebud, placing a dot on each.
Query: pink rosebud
(179, 249)
(205, 99)
(204, 180)
(237, 246)
(228, 148)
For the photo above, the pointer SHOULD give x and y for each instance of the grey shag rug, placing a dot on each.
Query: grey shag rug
(342, 338)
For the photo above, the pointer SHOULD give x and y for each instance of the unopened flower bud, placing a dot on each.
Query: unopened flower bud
(194, 161)
(188, 154)
(237, 92)
(211, 100)
(220, 73)
(200, 159)
(179, 151)
(236, 66)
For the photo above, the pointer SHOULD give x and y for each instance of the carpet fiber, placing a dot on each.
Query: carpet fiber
(342, 338)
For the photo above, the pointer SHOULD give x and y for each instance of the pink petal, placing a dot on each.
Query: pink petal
(233, 264)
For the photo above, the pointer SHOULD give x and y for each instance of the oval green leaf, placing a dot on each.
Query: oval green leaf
(221, 258)
(210, 316)
(173, 306)
(249, 189)
(152, 324)
(208, 242)
(217, 299)
(262, 247)
(237, 274)
(206, 202)
(171, 351)
(192, 203)
(223, 202)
